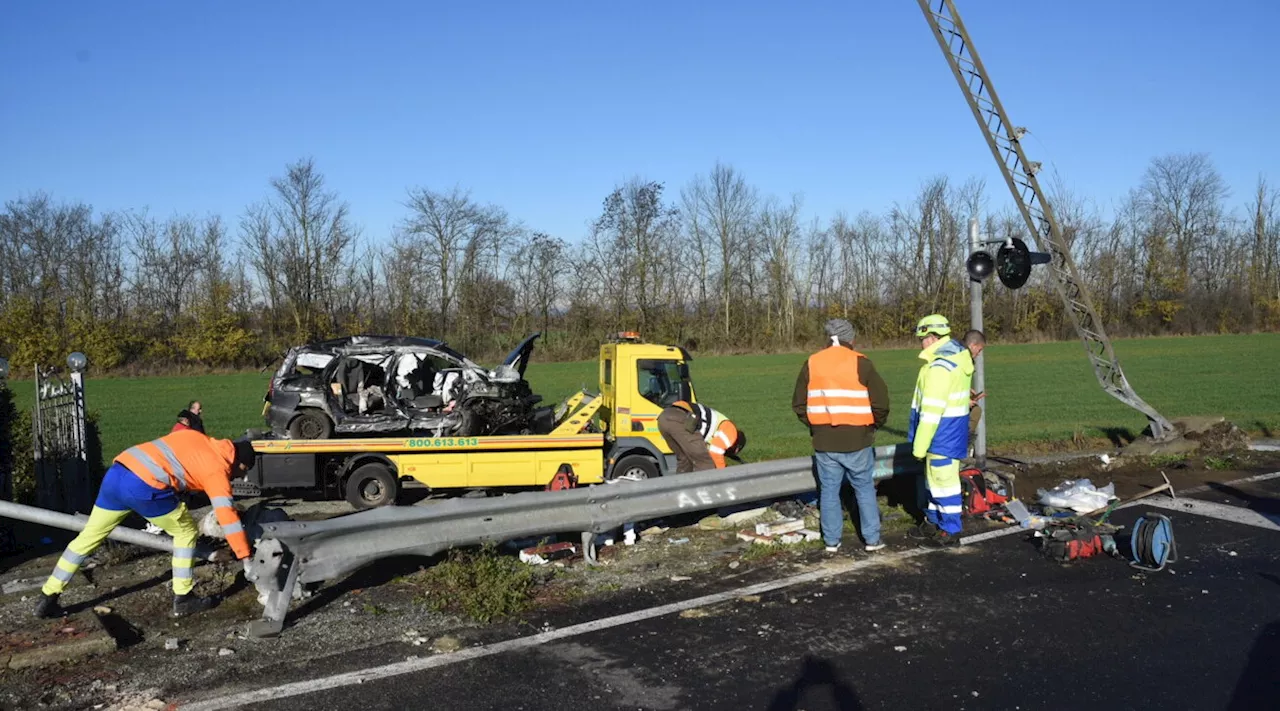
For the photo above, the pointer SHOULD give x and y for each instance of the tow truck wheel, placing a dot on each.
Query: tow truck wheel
(372, 485)
(635, 467)
(310, 424)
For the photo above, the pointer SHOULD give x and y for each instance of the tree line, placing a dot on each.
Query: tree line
(714, 263)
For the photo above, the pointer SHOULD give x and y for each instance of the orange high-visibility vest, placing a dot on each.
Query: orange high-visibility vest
(836, 395)
(188, 460)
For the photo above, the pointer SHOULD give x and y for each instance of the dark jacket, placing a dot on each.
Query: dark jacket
(844, 438)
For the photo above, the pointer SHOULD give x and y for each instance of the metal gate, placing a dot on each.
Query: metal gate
(60, 443)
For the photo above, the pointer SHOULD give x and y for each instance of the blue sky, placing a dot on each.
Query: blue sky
(543, 107)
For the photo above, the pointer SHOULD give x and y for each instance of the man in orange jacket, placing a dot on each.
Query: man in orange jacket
(147, 478)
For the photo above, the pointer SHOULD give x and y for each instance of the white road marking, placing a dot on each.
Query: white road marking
(1222, 512)
(414, 665)
(441, 660)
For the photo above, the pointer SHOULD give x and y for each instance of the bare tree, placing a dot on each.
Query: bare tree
(630, 238)
(300, 239)
(727, 207)
(1182, 195)
(454, 234)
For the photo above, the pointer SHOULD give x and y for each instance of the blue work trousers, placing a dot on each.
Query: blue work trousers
(834, 468)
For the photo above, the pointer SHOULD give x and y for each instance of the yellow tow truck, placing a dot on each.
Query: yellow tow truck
(604, 435)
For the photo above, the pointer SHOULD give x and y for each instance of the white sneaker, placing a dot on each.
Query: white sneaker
(153, 529)
(833, 549)
(873, 548)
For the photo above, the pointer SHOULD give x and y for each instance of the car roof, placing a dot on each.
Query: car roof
(375, 341)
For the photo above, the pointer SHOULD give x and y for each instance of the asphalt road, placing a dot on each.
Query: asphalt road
(993, 625)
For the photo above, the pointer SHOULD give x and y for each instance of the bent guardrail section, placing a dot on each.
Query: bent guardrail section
(313, 551)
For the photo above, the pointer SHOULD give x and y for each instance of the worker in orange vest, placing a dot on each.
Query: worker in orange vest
(843, 400)
(147, 478)
(722, 436)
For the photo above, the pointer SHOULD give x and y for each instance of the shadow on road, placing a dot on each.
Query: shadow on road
(1268, 506)
(817, 673)
(1256, 688)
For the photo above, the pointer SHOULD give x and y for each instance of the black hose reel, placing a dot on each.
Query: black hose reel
(1152, 544)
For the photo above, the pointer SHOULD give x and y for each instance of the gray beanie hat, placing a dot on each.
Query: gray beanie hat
(841, 329)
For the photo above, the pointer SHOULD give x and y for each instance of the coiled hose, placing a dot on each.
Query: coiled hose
(1152, 543)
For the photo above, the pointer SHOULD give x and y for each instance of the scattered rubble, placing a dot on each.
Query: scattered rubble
(787, 531)
(446, 644)
(541, 555)
(172, 644)
(71, 638)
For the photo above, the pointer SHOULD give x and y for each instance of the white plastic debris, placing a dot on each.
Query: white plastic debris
(899, 648)
(226, 652)
(171, 643)
(1079, 495)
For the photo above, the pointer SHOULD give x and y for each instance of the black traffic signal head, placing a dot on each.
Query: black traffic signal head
(980, 265)
(1013, 263)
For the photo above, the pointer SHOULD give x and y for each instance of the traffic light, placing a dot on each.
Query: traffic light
(1012, 263)
(980, 265)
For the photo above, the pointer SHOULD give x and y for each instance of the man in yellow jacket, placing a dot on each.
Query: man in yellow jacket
(938, 427)
(147, 478)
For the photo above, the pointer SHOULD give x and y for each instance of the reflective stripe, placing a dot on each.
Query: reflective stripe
(149, 464)
(230, 528)
(715, 450)
(63, 575)
(946, 509)
(720, 435)
(178, 472)
(72, 557)
(225, 501)
(183, 552)
(184, 572)
(930, 418)
(957, 411)
(837, 393)
(840, 409)
(943, 363)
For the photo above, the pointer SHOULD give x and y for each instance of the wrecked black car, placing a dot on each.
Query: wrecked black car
(387, 385)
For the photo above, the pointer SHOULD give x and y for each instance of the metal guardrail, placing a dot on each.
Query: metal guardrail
(76, 522)
(313, 551)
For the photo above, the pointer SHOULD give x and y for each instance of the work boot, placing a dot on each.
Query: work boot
(942, 539)
(184, 605)
(923, 531)
(47, 606)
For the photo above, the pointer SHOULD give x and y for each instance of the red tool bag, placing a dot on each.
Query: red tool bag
(1072, 543)
(978, 498)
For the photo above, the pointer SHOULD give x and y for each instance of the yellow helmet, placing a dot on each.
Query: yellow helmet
(933, 323)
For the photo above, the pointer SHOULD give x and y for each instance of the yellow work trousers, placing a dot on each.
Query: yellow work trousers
(176, 523)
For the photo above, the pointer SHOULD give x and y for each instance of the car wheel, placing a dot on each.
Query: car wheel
(635, 467)
(311, 424)
(372, 485)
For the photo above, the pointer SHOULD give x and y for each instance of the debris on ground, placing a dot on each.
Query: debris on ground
(1080, 496)
(718, 522)
(67, 639)
(446, 644)
(787, 531)
(541, 555)
(226, 652)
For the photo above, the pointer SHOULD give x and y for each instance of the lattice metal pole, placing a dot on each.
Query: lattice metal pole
(1020, 175)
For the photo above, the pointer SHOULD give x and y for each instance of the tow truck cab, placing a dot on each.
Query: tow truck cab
(610, 435)
(638, 380)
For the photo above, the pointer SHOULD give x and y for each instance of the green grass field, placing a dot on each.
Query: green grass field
(1037, 395)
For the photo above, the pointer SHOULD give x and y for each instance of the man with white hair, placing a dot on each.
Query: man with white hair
(843, 400)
